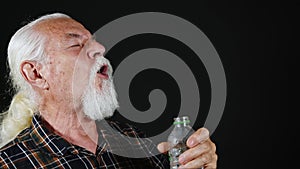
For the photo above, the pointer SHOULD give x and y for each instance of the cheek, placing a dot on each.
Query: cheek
(70, 76)
(62, 81)
(80, 82)
(60, 76)
(82, 74)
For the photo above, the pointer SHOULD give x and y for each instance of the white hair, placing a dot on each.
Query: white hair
(26, 44)
(98, 105)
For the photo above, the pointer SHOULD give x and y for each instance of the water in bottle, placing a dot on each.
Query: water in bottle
(177, 139)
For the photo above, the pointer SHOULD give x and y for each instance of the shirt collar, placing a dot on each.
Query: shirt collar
(48, 141)
(112, 136)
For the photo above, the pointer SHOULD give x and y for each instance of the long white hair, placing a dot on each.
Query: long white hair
(26, 44)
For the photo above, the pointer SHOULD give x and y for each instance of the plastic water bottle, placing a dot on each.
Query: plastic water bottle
(177, 139)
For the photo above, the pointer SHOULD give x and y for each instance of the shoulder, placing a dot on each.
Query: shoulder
(16, 151)
(11, 149)
(20, 144)
(23, 136)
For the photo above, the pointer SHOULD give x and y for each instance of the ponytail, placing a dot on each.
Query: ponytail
(16, 118)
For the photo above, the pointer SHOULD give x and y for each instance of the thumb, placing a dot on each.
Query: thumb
(163, 147)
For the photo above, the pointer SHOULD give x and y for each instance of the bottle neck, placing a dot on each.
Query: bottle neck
(181, 123)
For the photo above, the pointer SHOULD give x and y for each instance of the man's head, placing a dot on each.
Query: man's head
(55, 61)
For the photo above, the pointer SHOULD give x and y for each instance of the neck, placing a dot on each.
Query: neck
(73, 126)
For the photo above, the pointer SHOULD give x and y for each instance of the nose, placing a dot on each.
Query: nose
(95, 49)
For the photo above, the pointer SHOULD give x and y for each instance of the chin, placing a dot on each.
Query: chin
(94, 115)
(100, 104)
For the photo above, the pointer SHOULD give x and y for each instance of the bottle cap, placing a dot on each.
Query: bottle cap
(185, 119)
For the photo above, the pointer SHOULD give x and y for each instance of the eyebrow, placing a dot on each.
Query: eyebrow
(77, 36)
(73, 35)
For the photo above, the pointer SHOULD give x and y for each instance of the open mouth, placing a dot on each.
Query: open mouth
(102, 72)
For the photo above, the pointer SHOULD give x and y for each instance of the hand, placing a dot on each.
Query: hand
(201, 152)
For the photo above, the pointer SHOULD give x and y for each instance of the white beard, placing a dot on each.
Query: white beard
(98, 105)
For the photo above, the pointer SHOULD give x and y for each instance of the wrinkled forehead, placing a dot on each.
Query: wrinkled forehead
(59, 32)
(58, 27)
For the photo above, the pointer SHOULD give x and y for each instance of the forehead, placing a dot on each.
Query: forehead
(60, 28)
(61, 33)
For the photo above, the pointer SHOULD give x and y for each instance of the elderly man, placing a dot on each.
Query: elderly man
(63, 87)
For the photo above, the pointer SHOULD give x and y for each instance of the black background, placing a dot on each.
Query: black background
(254, 42)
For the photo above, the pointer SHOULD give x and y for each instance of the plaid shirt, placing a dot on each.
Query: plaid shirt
(37, 147)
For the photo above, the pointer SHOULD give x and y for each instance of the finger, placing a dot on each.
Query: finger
(198, 162)
(195, 152)
(163, 147)
(212, 164)
(199, 136)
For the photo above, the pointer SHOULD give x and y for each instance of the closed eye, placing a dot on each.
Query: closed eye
(77, 45)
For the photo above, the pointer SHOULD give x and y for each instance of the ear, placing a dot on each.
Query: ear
(30, 70)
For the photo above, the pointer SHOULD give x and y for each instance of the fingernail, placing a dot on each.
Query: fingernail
(204, 135)
(191, 142)
(160, 147)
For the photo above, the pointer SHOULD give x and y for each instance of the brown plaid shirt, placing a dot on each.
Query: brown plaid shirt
(37, 147)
